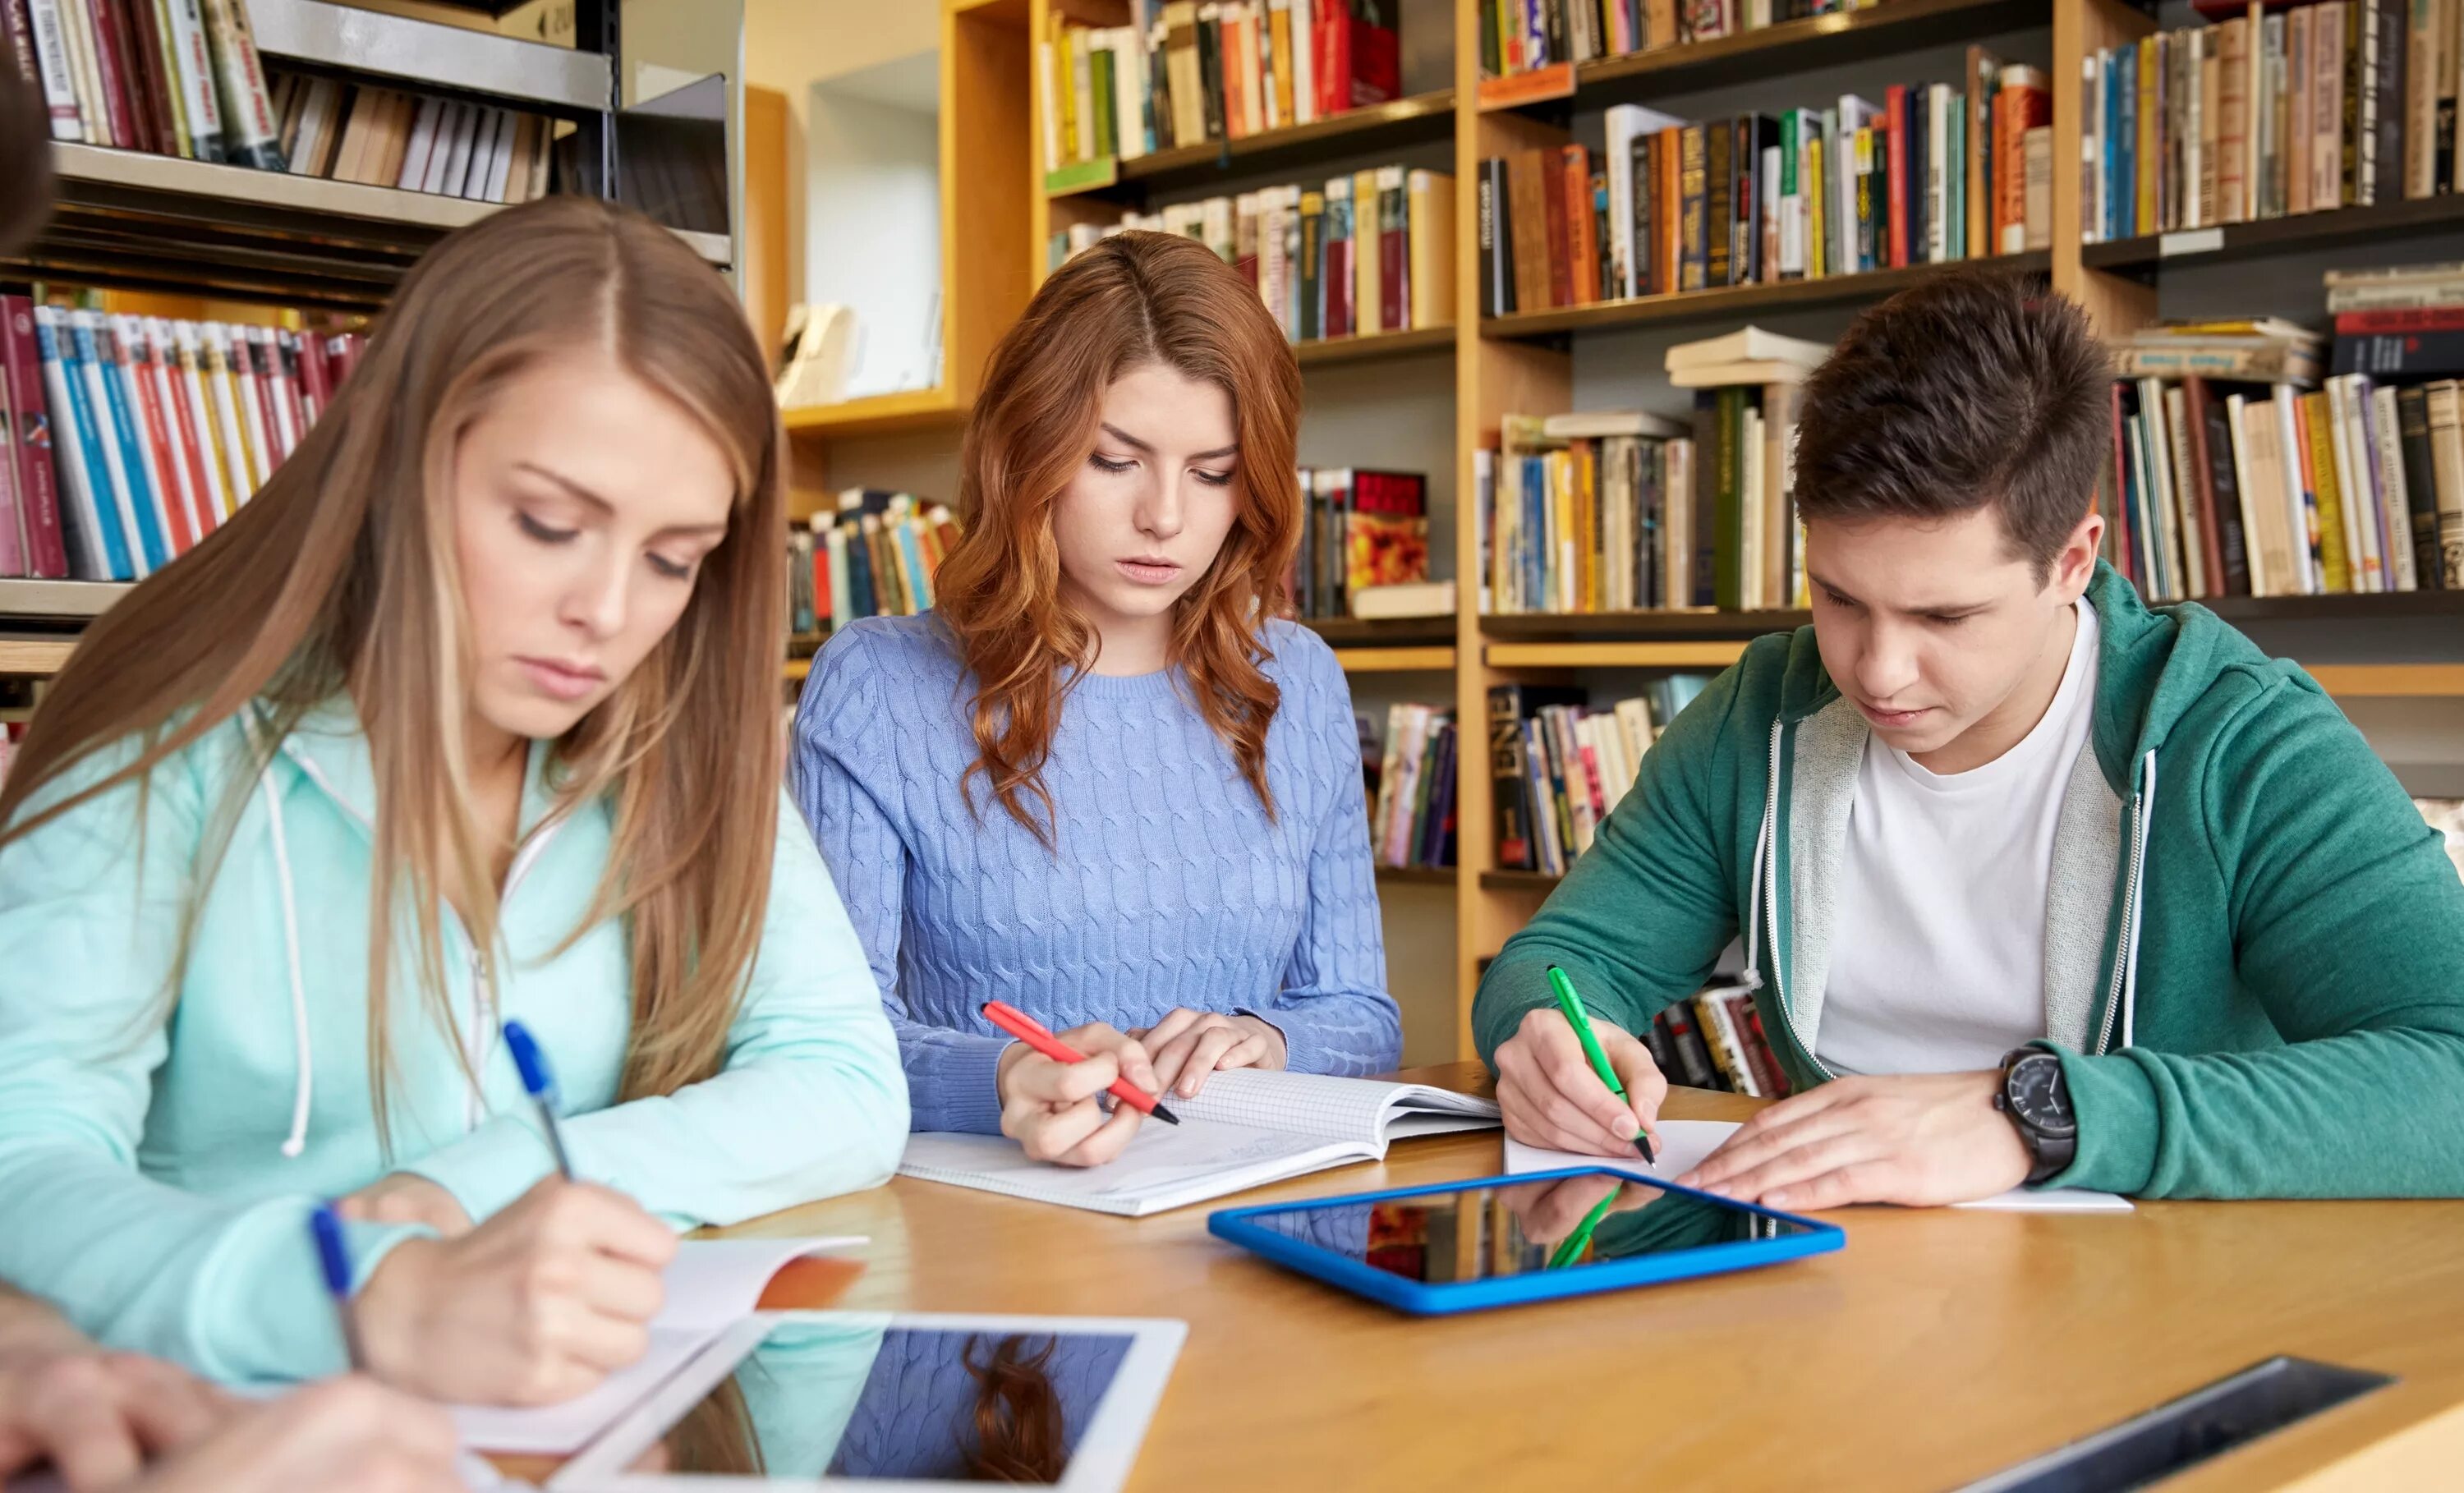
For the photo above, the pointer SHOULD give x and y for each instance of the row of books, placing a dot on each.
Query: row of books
(873, 554)
(1363, 529)
(389, 137)
(1410, 776)
(2271, 111)
(1716, 1040)
(1519, 36)
(130, 438)
(1183, 74)
(1933, 174)
(1623, 510)
(171, 78)
(1363, 253)
(1558, 767)
(2229, 489)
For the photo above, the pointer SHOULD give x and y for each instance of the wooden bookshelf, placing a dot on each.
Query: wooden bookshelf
(1429, 340)
(984, 157)
(1416, 875)
(1394, 125)
(882, 415)
(1739, 302)
(1838, 39)
(2386, 222)
(1526, 362)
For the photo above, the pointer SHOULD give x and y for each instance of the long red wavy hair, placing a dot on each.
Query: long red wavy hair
(1133, 299)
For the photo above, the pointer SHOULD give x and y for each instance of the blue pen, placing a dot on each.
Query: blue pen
(540, 1084)
(331, 1254)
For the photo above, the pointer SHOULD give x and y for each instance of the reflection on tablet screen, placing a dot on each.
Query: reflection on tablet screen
(1488, 1232)
(856, 1397)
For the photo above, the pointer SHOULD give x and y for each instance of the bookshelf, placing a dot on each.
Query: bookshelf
(2402, 651)
(985, 237)
(126, 220)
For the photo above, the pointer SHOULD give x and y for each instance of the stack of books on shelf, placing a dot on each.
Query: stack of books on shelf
(2271, 111)
(2239, 472)
(1411, 782)
(1931, 175)
(1364, 531)
(1560, 767)
(1519, 36)
(391, 137)
(1625, 510)
(1716, 1040)
(1364, 254)
(1185, 73)
(171, 78)
(131, 438)
(873, 556)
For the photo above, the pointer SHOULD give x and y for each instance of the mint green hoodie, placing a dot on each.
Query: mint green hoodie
(2253, 945)
(158, 1161)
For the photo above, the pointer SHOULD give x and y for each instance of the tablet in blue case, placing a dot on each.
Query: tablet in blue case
(1502, 1241)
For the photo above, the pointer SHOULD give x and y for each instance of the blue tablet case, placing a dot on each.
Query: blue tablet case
(1423, 1299)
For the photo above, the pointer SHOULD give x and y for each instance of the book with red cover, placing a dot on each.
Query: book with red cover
(12, 520)
(1337, 279)
(110, 62)
(315, 392)
(1582, 245)
(1560, 248)
(1394, 253)
(169, 477)
(47, 555)
(184, 434)
(154, 79)
(1895, 108)
(284, 351)
(2416, 319)
(1334, 70)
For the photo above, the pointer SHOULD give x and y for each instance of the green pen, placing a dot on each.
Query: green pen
(1572, 1004)
(1571, 1248)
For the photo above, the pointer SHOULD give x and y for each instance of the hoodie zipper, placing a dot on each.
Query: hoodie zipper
(2122, 941)
(1771, 904)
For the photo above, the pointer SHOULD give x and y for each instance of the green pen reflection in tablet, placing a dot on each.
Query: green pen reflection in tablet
(1485, 1233)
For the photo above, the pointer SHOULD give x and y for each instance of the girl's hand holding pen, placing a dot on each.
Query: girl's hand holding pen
(534, 1305)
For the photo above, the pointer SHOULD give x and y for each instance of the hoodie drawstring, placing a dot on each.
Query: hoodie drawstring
(2138, 899)
(298, 1140)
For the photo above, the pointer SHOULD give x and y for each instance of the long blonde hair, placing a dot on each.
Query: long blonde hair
(341, 574)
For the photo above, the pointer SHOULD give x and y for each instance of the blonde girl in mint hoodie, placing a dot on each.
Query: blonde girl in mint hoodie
(469, 714)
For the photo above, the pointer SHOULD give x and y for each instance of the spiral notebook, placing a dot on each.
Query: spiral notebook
(1247, 1128)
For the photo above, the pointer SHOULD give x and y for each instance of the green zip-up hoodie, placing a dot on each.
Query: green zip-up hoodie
(2253, 945)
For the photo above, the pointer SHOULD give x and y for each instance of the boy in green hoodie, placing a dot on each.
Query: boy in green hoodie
(1987, 949)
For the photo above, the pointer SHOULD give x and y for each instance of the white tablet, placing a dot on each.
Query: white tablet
(804, 1399)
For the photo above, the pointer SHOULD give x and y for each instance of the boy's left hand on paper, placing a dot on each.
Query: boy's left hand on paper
(1919, 1140)
(1186, 1046)
(405, 1197)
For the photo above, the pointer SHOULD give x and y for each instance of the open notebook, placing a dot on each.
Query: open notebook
(1247, 1128)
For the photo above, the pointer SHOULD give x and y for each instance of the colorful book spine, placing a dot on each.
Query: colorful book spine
(99, 547)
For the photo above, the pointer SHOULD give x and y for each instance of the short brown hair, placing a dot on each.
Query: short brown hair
(1974, 387)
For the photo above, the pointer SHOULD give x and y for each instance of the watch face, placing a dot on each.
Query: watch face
(2038, 1096)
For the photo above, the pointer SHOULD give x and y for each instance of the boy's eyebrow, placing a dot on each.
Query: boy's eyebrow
(1939, 609)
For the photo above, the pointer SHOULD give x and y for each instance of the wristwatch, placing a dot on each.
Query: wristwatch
(2039, 1103)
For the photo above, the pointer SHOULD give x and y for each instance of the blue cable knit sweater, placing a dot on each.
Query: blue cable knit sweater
(1170, 886)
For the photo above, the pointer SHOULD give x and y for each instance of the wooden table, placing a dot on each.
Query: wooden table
(1936, 1347)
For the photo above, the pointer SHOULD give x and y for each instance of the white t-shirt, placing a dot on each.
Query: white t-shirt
(1938, 950)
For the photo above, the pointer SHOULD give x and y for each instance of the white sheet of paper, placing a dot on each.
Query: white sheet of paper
(711, 1283)
(1686, 1143)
